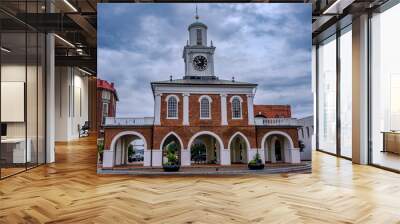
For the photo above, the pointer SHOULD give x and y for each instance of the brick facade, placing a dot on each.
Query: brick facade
(194, 111)
(111, 133)
(253, 134)
(237, 122)
(164, 105)
(272, 111)
(155, 134)
(185, 133)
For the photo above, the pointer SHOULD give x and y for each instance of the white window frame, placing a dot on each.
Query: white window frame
(240, 105)
(177, 106)
(209, 106)
(106, 95)
(105, 105)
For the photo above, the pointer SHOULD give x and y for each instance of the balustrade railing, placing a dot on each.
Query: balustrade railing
(277, 122)
(138, 121)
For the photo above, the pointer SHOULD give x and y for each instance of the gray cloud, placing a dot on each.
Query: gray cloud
(268, 44)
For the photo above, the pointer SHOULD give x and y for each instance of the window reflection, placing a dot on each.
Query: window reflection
(327, 95)
(346, 93)
(385, 89)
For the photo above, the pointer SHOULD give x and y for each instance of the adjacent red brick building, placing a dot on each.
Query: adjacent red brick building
(272, 111)
(107, 98)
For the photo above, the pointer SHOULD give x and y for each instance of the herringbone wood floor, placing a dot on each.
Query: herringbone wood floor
(70, 191)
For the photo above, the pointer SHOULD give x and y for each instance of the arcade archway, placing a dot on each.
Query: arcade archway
(205, 148)
(238, 147)
(277, 146)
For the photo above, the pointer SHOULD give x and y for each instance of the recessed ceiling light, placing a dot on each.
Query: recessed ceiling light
(5, 50)
(84, 71)
(64, 40)
(70, 5)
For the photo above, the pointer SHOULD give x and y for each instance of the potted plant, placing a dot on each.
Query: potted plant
(256, 163)
(131, 152)
(172, 163)
(100, 150)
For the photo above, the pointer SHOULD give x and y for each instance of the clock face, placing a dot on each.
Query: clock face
(200, 63)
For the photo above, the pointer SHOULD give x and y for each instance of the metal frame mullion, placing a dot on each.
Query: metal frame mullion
(37, 91)
(26, 87)
(369, 90)
(317, 97)
(338, 80)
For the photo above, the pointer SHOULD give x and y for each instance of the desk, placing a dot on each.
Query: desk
(391, 141)
(13, 150)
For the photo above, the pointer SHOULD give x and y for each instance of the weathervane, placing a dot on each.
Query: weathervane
(197, 15)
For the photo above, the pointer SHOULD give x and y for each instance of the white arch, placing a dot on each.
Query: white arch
(119, 135)
(233, 97)
(205, 96)
(174, 134)
(243, 136)
(277, 133)
(172, 95)
(221, 143)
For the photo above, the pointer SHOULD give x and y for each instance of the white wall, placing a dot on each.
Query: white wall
(16, 73)
(71, 102)
(307, 122)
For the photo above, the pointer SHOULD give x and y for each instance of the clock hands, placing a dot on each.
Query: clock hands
(200, 63)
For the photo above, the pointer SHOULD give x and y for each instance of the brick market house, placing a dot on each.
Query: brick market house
(201, 109)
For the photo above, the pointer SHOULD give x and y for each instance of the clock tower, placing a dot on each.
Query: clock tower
(198, 57)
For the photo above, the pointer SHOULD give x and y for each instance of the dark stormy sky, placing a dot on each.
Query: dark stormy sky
(268, 44)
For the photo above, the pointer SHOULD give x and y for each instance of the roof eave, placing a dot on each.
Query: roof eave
(205, 84)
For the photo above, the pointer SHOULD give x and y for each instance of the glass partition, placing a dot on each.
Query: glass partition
(346, 92)
(13, 94)
(327, 95)
(385, 89)
(22, 77)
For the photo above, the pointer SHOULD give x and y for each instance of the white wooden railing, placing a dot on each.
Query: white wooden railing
(139, 121)
(277, 121)
(132, 121)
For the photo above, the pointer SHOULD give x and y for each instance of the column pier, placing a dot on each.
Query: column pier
(185, 108)
(224, 115)
(157, 109)
(250, 108)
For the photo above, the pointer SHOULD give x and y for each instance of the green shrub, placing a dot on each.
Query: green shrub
(256, 159)
(100, 148)
(172, 156)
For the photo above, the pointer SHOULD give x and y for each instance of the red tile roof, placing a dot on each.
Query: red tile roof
(103, 84)
(272, 111)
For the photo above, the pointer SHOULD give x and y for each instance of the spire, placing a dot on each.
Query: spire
(197, 15)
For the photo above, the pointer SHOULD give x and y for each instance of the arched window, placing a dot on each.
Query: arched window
(199, 37)
(172, 107)
(205, 107)
(236, 107)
